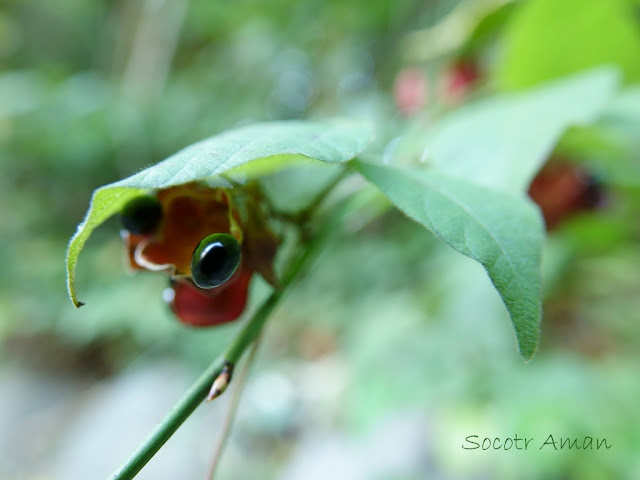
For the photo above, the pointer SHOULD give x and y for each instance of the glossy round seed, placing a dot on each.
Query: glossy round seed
(215, 260)
(593, 194)
(141, 215)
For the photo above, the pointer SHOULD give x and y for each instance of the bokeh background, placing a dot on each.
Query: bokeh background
(392, 349)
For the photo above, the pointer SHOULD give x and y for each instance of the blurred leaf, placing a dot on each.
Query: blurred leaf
(547, 39)
(455, 31)
(267, 146)
(608, 149)
(503, 232)
(502, 142)
(488, 28)
(624, 112)
(611, 145)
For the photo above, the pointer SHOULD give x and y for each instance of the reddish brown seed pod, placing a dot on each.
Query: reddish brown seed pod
(459, 79)
(563, 189)
(197, 307)
(198, 242)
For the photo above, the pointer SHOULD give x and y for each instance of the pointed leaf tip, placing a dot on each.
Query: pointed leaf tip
(502, 231)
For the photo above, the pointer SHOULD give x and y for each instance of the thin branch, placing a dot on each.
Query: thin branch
(199, 390)
(154, 45)
(301, 217)
(197, 393)
(231, 413)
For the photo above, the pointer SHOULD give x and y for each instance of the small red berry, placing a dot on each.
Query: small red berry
(459, 79)
(410, 91)
(563, 189)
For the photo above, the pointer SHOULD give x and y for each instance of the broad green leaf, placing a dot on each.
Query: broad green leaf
(502, 142)
(503, 232)
(547, 39)
(245, 152)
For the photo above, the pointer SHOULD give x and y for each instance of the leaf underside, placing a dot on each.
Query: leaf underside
(502, 231)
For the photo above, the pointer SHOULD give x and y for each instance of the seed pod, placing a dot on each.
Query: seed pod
(196, 307)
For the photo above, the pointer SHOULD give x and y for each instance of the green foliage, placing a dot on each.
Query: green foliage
(488, 27)
(470, 198)
(503, 141)
(547, 39)
(272, 145)
(92, 92)
(624, 111)
(501, 231)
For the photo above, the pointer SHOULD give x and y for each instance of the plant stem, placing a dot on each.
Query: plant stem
(199, 390)
(231, 413)
(302, 216)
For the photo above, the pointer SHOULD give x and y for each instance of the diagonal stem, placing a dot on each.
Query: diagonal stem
(231, 413)
(199, 390)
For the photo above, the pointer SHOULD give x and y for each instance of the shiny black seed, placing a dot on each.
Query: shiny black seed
(141, 215)
(215, 260)
(592, 195)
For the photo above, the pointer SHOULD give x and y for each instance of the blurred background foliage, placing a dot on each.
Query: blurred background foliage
(392, 349)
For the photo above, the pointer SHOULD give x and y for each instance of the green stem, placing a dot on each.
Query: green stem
(199, 390)
(231, 413)
(302, 217)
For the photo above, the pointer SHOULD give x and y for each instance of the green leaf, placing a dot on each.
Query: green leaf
(503, 141)
(240, 154)
(487, 28)
(623, 113)
(503, 232)
(546, 39)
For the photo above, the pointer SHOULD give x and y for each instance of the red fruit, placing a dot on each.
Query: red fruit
(459, 79)
(204, 308)
(562, 189)
(410, 91)
(190, 213)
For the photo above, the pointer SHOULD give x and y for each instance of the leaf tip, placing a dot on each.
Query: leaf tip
(70, 264)
(528, 356)
(528, 349)
(72, 294)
